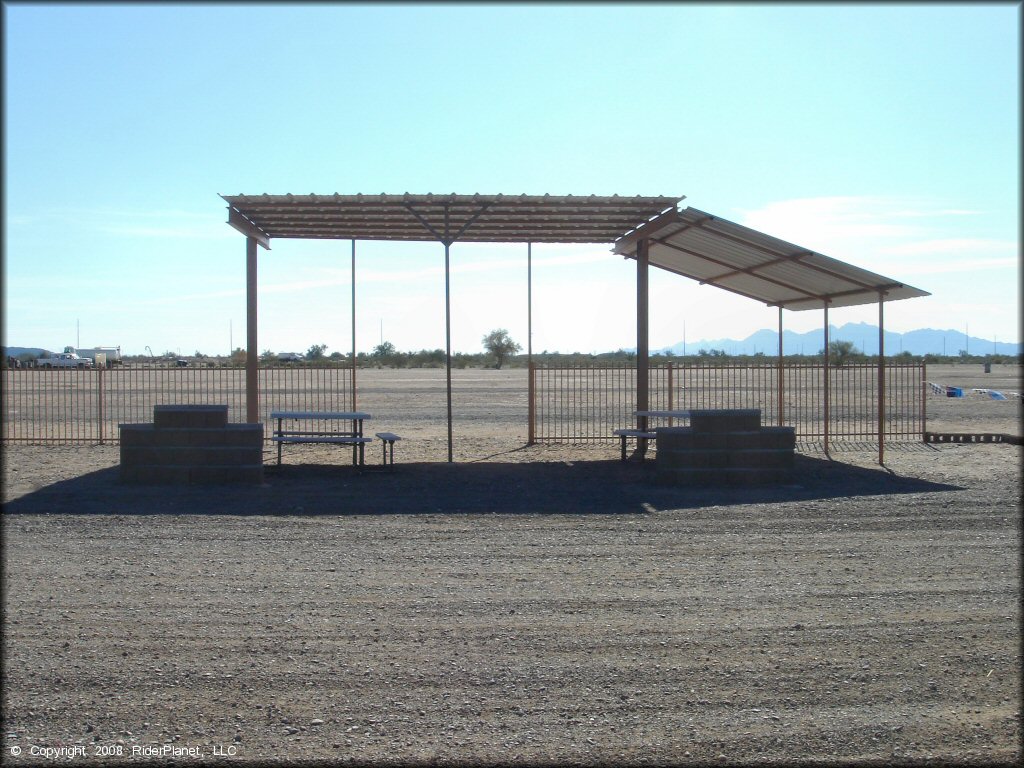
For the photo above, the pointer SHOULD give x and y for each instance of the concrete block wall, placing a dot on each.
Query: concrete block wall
(725, 447)
(191, 444)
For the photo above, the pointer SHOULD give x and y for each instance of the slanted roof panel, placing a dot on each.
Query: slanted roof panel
(466, 218)
(718, 252)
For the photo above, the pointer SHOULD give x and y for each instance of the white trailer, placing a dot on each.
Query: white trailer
(112, 354)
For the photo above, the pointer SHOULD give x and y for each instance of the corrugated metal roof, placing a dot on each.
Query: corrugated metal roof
(464, 218)
(718, 252)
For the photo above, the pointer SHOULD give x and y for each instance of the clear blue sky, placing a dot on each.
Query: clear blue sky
(887, 136)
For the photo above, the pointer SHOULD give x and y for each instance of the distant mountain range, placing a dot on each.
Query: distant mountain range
(18, 351)
(924, 341)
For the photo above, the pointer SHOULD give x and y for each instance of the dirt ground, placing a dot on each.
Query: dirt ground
(525, 605)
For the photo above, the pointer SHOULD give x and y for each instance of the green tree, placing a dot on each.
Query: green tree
(500, 344)
(316, 352)
(384, 349)
(267, 356)
(841, 352)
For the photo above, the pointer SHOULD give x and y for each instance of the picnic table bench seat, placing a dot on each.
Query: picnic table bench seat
(388, 440)
(636, 434)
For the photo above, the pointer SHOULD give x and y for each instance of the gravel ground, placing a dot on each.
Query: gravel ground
(524, 606)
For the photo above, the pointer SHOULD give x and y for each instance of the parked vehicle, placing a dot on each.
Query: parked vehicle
(112, 354)
(290, 357)
(64, 360)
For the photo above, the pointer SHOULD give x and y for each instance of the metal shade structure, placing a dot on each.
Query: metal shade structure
(651, 230)
(446, 218)
(735, 258)
(749, 263)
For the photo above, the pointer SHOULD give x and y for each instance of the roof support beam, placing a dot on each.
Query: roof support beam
(797, 257)
(247, 228)
(711, 281)
(750, 270)
(446, 238)
(472, 218)
(681, 273)
(425, 223)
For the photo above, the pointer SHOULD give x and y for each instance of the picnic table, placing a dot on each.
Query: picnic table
(353, 436)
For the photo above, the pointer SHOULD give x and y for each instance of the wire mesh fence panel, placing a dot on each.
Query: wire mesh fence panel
(584, 403)
(579, 403)
(571, 404)
(50, 405)
(304, 389)
(129, 394)
(71, 405)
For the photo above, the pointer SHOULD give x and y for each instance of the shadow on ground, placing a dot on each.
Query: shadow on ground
(586, 487)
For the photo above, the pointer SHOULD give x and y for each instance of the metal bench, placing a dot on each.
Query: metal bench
(388, 440)
(636, 434)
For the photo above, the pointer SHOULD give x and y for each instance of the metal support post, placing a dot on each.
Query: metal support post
(642, 342)
(881, 379)
(448, 340)
(825, 395)
(353, 325)
(531, 383)
(252, 391)
(99, 399)
(781, 376)
(531, 416)
(529, 303)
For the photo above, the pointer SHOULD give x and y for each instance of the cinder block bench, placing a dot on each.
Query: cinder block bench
(191, 444)
(725, 447)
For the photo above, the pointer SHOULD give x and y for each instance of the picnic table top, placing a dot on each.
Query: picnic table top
(320, 415)
(663, 414)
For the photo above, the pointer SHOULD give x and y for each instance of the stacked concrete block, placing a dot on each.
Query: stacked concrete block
(189, 444)
(725, 447)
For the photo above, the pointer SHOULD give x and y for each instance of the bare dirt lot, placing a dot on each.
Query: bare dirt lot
(524, 605)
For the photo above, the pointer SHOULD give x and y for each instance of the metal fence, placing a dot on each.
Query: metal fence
(79, 406)
(567, 404)
(575, 404)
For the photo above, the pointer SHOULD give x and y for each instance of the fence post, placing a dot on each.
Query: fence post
(531, 389)
(99, 400)
(923, 394)
(671, 367)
